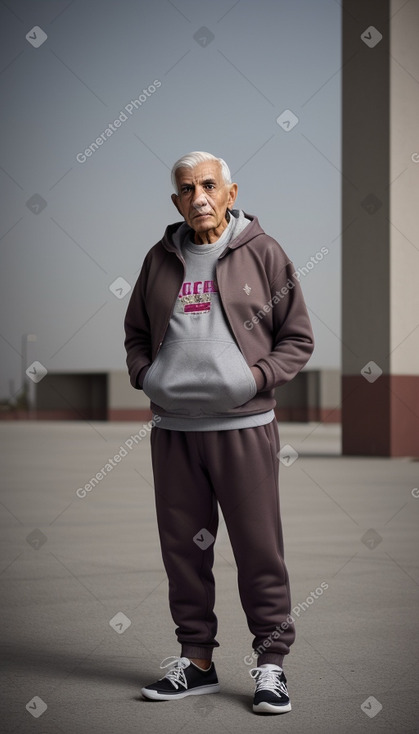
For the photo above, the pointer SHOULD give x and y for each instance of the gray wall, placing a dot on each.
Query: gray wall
(78, 397)
(69, 229)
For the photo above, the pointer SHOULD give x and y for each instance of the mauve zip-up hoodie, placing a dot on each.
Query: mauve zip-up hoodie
(262, 301)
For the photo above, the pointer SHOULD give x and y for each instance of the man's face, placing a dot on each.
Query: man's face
(203, 199)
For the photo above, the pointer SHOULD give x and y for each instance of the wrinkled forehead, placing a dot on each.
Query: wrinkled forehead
(200, 173)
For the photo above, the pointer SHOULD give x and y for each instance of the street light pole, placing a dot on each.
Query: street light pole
(26, 388)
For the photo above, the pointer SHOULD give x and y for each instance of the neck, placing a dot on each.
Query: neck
(212, 235)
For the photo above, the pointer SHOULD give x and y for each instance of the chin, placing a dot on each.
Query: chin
(202, 226)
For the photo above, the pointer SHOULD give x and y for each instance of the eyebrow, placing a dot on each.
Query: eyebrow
(204, 181)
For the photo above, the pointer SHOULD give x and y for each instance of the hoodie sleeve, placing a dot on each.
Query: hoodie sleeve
(293, 341)
(137, 333)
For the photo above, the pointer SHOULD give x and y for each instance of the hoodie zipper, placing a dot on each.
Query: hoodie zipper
(173, 305)
(227, 316)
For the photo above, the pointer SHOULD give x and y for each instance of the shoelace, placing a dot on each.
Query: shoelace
(176, 674)
(268, 680)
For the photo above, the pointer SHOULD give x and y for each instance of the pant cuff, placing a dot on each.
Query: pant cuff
(270, 657)
(193, 651)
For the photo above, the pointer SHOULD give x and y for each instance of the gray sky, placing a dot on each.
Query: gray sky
(227, 71)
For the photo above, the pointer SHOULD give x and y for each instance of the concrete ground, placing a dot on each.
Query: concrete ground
(86, 621)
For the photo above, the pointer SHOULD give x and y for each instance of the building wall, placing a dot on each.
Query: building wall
(71, 397)
(124, 402)
(313, 395)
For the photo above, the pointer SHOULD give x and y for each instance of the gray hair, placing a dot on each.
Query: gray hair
(198, 156)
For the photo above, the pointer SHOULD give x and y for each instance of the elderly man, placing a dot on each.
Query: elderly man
(215, 323)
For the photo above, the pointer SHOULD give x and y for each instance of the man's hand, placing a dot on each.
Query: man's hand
(259, 377)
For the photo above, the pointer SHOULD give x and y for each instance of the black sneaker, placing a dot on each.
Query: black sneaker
(271, 694)
(183, 678)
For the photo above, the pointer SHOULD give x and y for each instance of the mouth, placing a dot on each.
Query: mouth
(201, 216)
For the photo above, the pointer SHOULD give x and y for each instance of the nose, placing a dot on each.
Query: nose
(200, 201)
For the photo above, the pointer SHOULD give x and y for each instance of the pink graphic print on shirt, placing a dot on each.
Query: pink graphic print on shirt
(195, 296)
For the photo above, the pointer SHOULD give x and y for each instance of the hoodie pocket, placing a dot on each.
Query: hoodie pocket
(199, 378)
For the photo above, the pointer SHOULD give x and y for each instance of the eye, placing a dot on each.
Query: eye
(210, 186)
(186, 189)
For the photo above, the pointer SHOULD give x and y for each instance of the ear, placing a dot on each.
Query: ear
(175, 199)
(232, 195)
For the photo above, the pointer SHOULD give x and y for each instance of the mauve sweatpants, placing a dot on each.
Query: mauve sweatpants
(239, 469)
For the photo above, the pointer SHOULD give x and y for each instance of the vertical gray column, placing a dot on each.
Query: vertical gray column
(380, 275)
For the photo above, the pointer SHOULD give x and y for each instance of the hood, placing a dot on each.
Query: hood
(174, 233)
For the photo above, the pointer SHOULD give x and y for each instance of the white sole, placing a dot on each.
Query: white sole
(270, 708)
(201, 690)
